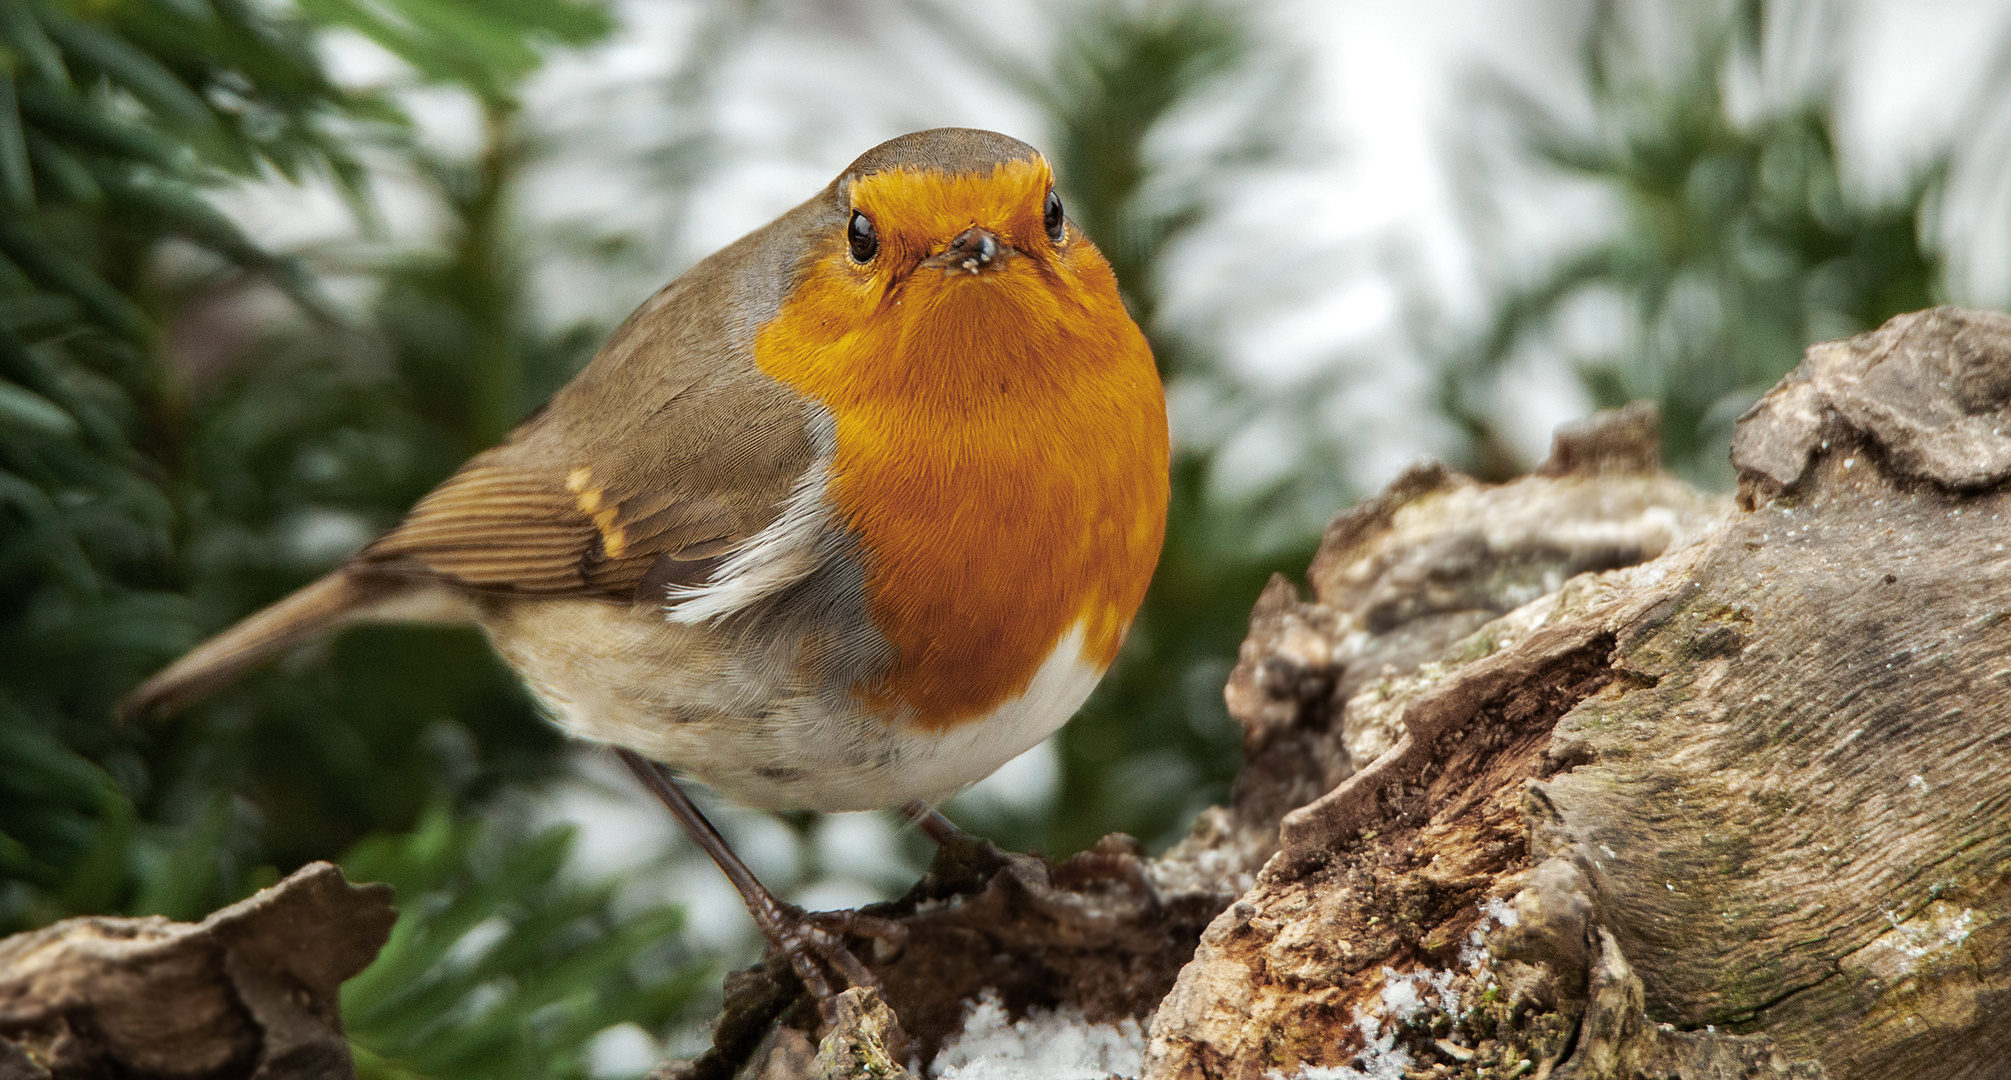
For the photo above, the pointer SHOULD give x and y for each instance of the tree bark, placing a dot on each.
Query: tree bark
(249, 992)
(1740, 809)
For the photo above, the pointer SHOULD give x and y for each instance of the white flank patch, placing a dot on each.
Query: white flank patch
(934, 766)
(1045, 1044)
(784, 553)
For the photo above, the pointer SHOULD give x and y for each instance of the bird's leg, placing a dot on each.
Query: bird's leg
(957, 852)
(963, 862)
(1114, 858)
(933, 824)
(803, 937)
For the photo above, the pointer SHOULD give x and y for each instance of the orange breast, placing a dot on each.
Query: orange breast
(1002, 449)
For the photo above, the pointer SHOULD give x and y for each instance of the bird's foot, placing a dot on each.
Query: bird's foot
(814, 941)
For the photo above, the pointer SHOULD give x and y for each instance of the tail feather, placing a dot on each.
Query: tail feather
(316, 609)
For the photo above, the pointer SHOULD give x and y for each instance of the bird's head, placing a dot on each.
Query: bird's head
(946, 264)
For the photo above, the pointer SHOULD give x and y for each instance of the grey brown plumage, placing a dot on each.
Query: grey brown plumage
(671, 440)
(688, 445)
(672, 445)
(329, 602)
(658, 553)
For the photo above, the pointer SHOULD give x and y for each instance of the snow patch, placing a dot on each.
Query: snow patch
(1045, 1044)
(1473, 951)
(1380, 1058)
(622, 1051)
(1404, 995)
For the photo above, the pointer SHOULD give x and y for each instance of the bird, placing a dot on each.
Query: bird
(845, 517)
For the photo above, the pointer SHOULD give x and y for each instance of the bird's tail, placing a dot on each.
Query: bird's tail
(331, 602)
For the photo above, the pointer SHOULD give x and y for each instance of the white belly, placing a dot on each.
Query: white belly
(745, 718)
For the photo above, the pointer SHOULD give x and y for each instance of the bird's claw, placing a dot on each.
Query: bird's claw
(812, 940)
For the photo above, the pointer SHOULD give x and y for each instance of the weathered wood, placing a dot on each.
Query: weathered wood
(1455, 624)
(1103, 933)
(248, 992)
(1743, 809)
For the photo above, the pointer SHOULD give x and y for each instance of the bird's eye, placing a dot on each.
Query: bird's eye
(865, 239)
(1057, 226)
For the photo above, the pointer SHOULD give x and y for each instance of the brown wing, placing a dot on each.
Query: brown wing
(599, 513)
(670, 449)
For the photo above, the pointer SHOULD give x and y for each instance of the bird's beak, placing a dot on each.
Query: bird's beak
(975, 250)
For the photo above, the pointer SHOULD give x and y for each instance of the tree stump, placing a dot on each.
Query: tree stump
(250, 992)
(1739, 809)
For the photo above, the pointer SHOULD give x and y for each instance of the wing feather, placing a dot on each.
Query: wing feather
(664, 457)
(637, 475)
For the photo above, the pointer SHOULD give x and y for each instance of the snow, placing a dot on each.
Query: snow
(1404, 995)
(1381, 1058)
(1045, 1044)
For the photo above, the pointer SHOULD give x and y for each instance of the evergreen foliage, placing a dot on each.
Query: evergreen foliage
(501, 966)
(158, 484)
(1738, 241)
(114, 120)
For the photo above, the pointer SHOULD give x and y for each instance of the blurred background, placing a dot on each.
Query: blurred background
(270, 270)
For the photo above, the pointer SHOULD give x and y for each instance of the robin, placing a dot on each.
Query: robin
(847, 516)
